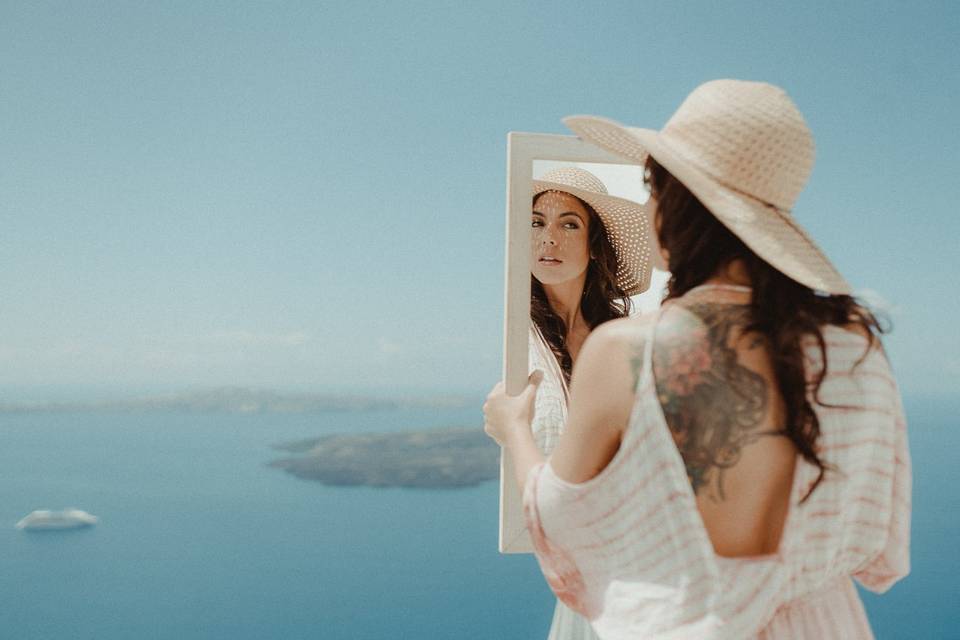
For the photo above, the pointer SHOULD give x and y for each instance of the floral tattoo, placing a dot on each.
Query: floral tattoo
(714, 406)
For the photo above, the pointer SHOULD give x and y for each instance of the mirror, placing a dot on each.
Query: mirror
(533, 234)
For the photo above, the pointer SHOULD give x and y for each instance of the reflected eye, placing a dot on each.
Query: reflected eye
(536, 223)
(571, 225)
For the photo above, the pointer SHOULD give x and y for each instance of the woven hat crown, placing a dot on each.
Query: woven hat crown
(749, 136)
(577, 178)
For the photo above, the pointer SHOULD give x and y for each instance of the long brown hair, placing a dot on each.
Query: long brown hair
(783, 310)
(602, 299)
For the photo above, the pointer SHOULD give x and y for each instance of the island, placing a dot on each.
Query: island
(430, 459)
(243, 400)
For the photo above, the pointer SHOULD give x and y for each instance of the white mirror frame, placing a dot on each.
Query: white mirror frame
(522, 150)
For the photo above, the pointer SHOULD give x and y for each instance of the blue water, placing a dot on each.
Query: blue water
(198, 539)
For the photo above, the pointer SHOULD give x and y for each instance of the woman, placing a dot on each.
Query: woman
(585, 265)
(731, 461)
(586, 261)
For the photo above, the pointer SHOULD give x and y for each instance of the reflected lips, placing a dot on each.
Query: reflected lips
(550, 261)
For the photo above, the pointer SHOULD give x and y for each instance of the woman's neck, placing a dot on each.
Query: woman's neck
(564, 299)
(734, 272)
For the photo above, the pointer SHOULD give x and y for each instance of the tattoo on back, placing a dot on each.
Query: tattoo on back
(714, 406)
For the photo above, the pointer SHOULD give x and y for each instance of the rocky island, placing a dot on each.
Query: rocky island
(431, 459)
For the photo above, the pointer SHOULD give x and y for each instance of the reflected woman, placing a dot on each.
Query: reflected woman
(589, 255)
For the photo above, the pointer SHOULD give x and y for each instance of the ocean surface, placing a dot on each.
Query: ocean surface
(198, 539)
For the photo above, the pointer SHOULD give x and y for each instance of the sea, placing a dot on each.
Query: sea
(199, 539)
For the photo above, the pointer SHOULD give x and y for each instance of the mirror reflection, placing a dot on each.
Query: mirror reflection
(591, 260)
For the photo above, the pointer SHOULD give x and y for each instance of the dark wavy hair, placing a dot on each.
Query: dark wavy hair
(602, 299)
(783, 310)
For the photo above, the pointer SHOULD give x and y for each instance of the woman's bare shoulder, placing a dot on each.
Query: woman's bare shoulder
(613, 352)
(622, 330)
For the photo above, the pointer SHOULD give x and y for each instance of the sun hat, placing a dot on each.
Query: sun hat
(625, 222)
(743, 149)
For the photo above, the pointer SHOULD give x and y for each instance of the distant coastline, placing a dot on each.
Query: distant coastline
(431, 459)
(241, 400)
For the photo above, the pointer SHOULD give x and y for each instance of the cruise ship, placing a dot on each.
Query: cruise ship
(66, 519)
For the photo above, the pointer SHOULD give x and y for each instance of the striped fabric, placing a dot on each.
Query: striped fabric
(550, 409)
(550, 417)
(628, 550)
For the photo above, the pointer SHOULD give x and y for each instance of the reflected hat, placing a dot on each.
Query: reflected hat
(743, 149)
(625, 222)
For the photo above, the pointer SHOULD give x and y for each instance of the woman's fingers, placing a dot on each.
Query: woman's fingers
(500, 410)
(497, 389)
(535, 379)
(533, 383)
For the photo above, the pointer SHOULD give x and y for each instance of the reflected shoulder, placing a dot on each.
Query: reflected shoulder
(622, 330)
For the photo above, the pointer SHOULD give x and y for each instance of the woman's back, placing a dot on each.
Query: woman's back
(635, 550)
(717, 388)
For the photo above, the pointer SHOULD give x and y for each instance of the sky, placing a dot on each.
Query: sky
(310, 196)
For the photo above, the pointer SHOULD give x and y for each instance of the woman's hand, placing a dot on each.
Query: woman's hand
(508, 416)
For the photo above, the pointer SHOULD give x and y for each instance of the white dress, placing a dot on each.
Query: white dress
(629, 549)
(548, 422)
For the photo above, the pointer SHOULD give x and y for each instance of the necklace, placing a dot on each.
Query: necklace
(728, 287)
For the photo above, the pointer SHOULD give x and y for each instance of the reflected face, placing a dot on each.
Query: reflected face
(560, 241)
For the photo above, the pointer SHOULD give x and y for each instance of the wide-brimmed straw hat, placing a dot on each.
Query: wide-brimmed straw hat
(625, 222)
(744, 150)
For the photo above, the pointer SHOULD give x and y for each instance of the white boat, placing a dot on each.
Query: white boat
(67, 519)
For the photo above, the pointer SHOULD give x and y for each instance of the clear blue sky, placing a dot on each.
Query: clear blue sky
(310, 195)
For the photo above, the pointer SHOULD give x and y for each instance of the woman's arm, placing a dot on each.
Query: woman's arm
(601, 398)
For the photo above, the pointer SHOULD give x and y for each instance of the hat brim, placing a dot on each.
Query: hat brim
(624, 220)
(771, 233)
